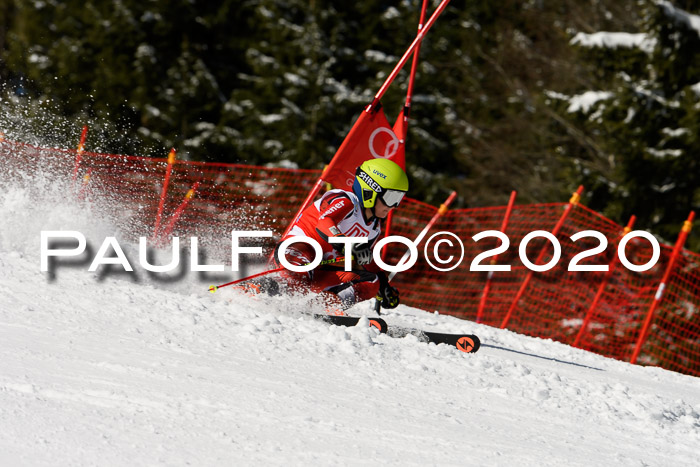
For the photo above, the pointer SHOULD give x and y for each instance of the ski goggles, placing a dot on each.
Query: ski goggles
(392, 198)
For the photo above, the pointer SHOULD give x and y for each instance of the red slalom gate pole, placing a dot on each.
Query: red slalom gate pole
(79, 153)
(487, 286)
(682, 236)
(602, 286)
(400, 127)
(416, 42)
(414, 66)
(309, 198)
(407, 104)
(575, 198)
(164, 191)
(392, 76)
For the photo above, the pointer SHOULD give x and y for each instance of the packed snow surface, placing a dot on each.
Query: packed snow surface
(126, 369)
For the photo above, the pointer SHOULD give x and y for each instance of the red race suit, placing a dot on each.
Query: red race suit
(337, 213)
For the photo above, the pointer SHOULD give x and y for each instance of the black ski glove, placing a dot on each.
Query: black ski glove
(362, 254)
(388, 296)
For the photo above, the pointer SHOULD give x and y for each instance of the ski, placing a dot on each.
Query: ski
(468, 343)
(350, 321)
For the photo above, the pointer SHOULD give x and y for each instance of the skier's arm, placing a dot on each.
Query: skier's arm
(388, 296)
(332, 212)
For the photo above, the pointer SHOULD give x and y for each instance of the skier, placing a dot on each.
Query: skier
(379, 186)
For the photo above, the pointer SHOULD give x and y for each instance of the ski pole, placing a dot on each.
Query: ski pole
(214, 288)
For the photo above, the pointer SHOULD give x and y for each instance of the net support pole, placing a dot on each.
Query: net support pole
(178, 212)
(164, 191)
(575, 198)
(387, 233)
(86, 182)
(79, 153)
(682, 236)
(601, 287)
(487, 286)
(440, 212)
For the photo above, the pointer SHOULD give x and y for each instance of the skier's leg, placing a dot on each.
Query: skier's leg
(349, 286)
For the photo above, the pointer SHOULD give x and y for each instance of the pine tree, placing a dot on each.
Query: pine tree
(148, 69)
(646, 121)
(265, 81)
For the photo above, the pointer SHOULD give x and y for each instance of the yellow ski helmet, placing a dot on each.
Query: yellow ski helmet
(380, 178)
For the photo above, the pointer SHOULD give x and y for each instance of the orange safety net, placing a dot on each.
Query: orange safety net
(556, 302)
(223, 197)
(208, 201)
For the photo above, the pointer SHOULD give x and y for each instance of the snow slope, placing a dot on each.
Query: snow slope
(102, 369)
